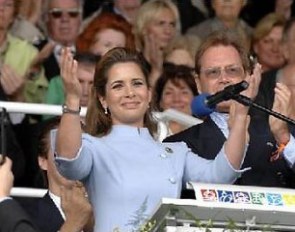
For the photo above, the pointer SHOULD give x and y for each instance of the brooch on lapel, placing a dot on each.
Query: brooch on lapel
(168, 150)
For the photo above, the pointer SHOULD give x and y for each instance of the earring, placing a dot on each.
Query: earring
(106, 110)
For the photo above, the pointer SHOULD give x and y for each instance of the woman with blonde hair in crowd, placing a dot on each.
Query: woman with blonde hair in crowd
(16, 56)
(28, 24)
(156, 25)
(266, 41)
(182, 50)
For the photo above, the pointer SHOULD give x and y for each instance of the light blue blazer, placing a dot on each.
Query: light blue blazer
(127, 172)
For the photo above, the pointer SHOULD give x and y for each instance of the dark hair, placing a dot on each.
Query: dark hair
(43, 145)
(43, 137)
(176, 74)
(226, 38)
(87, 58)
(97, 122)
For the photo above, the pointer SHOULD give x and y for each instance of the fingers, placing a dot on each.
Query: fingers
(43, 54)
(10, 80)
(74, 69)
(232, 113)
(6, 177)
(282, 91)
(6, 79)
(282, 99)
(75, 195)
(153, 51)
(69, 75)
(254, 81)
(69, 66)
(37, 62)
(257, 73)
(7, 163)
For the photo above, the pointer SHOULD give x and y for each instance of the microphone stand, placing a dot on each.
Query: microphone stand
(4, 121)
(248, 102)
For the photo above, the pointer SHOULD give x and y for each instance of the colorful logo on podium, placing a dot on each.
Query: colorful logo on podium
(247, 197)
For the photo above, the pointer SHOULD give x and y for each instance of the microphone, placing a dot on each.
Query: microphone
(205, 104)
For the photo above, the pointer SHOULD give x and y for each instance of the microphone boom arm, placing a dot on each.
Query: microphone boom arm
(248, 102)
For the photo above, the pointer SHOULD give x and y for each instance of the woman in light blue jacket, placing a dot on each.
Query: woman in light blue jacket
(125, 170)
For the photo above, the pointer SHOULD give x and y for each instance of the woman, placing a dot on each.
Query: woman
(182, 50)
(16, 56)
(156, 26)
(105, 32)
(266, 42)
(175, 89)
(226, 16)
(125, 171)
(28, 24)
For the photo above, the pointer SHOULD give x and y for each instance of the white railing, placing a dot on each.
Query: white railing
(31, 108)
(27, 192)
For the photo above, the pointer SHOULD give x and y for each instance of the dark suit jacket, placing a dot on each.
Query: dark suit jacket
(13, 218)
(44, 213)
(206, 140)
(265, 96)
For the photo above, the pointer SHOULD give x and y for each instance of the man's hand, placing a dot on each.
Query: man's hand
(76, 207)
(154, 55)
(6, 177)
(282, 104)
(12, 83)
(45, 52)
(252, 90)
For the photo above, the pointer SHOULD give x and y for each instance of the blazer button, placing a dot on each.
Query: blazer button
(172, 180)
(163, 155)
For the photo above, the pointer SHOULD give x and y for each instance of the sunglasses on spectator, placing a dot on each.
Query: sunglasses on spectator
(57, 12)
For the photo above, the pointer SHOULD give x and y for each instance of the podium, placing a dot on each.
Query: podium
(227, 208)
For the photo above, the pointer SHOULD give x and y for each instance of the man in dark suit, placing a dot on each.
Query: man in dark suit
(43, 212)
(222, 61)
(15, 219)
(64, 198)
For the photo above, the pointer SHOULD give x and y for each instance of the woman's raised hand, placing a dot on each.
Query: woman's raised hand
(69, 67)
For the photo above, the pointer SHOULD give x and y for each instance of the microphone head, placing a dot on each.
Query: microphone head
(199, 106)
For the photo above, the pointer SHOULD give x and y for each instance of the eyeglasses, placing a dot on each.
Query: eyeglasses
(57, 12)
(230, 71)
